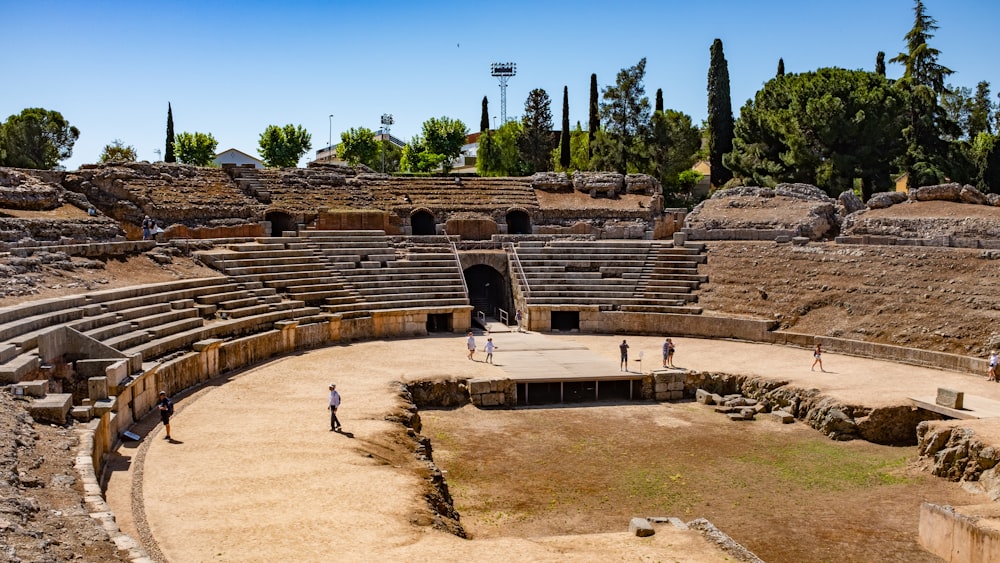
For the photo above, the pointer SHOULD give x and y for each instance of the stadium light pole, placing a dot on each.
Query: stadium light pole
(329, 142)
(387, 121)
(503, 71)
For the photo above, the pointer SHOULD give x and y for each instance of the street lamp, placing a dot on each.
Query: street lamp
(387, 121)
(329, 143)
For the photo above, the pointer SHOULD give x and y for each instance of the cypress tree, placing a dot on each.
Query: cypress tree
(169, 155)
(484, 120)
(781, 67)
(595, 119)
(880, 63)
(659, 100)
(720, 115)
(564, 136)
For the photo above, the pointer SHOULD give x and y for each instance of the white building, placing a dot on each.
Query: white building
(239, 158)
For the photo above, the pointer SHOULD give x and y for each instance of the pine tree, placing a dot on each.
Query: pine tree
(595, 119)
(880, 63)
(659, 100)
(564, 135)
(484, 120)
(781, 67)
(720, 115)
(981, 111)
(169, 155)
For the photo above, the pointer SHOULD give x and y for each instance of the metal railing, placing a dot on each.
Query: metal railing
(519, 268)
(458, 262)
(504, 317)
(481, 316)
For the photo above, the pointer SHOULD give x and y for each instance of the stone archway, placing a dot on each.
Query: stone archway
(422, 222)
(281, 221)
(518, 222)
(488, 290)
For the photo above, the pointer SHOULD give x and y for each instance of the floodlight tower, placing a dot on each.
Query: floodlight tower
(387, 121)
(503, 71)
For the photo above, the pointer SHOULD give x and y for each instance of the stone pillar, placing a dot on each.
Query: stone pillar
(333, 325)
(208, 354)
(288, 329)
(97, 388)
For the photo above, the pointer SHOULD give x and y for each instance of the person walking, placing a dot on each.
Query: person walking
(670, 352)
(470, 343)
(623, 348)
(147, 228)
(334, 405)
(166, 407)
(517, 318)
(991, 375)
(666, 351)
(490, 346)
(818, 358)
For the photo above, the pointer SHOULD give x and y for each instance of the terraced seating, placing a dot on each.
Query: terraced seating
(638, 276)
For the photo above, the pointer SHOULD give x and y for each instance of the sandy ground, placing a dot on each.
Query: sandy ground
(254, 474)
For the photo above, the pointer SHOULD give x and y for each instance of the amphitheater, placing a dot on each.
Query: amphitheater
(292, 278)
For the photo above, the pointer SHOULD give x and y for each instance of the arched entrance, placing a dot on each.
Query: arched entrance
(488, 291)
(422, 223)
(280, 222)
(518, 222)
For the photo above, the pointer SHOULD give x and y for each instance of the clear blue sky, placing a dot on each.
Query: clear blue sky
(233, 68)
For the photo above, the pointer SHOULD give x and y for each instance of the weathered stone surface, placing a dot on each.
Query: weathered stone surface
(851, 202)
(881, 200)
(552, 182)
(704, 397)
(640, 527)
(22, 191)
(642, 184)
(940, 192)
(756, 213)
(781, 416)
(950, 398)
(970, 194)
(599, 184)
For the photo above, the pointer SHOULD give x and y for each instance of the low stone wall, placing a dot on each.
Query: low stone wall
(887, 352)
(493, 392)
(945, 240)
(667, 385)
(958, 537)
(248, 230)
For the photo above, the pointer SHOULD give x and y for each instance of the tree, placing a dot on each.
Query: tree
(283, 147)
(196, 149)
(926, 160)
(358, 146)
(36, 138)
(594, 124)
(720, 115)
(880, 63)
(986, 155)
(536, 141)
(781, 67)
(659, 101)
(484, 119)
(625, 111)
(444, 136)
(117, 152)
(564, 136)
(672, 145)
(169, 156)
(956, 102)
(499, 155)
(826, 128)
(981, 112)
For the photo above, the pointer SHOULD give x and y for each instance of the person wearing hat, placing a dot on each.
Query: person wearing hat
(166, 407)
(334, 405)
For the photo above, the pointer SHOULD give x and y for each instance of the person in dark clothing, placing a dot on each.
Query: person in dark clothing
(623, 347)
(166, 407)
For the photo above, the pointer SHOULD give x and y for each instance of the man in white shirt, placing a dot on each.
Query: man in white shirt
(334, 405)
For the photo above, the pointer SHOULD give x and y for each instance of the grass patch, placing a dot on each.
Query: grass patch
(825, 466)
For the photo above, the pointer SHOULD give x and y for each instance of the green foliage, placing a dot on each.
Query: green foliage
(579, 151)
(658, 106)
(416, 157)
(625, 113)
(564, 137)
(920, 60)
(358, 146)
(169, 155)
(536, 141)
(197, 149)
(36, 138)
(821, 466)
(498, 153)
(826, 128)
(390, 154)
(880, 63)
(673, 142)
(282, 147)
(980, 112)
(444, 136)
(781, 67)
(985, 151)
(117, 151)
(594, 123)
(720, 115)
(484, 118)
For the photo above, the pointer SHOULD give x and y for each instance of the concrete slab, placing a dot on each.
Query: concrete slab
(973, 407)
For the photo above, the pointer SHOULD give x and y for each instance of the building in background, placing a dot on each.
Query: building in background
(239, 158)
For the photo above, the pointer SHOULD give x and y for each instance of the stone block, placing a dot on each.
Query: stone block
(182, 304)
(676, 386)
(54, 407)
(97, 388)
(37, 388)
(82, 413)
(640, 527)
(479, 386)
(781, 416)
(676, 395)
(662, 387)
(950, 398)
(800, 241)
(489, 400)
(717, 399)
(726, 410)
(737, 416)
(104, 406)
(704, 397)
